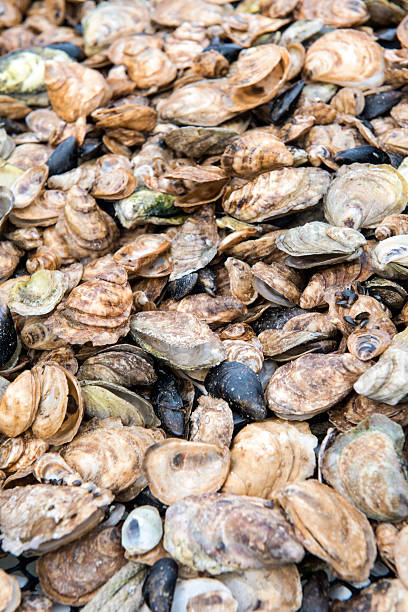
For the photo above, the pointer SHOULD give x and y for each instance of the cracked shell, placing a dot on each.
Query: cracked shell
(236, 533)
(311, 384)
(177, 337)
(366, 464)
(39, 295)
(177, 468)
(39, 518)
(330, 528)
(266, 456)
(74, 573)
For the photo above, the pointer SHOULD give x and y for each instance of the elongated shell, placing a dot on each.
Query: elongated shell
(331, 528)
(362, 195)
(266, 456)
(178, 337)
(253, 534)
(349, 58)
(277, 193)
(212, 422)
(277, 283)
(312, 383)
(218, 309)
(367, 465)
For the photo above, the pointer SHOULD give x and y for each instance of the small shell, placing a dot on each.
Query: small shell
(19, 404)
(39, 295)
(142, 530)
(386, 594)
(28, 186)
(178, 468)
(254, 535)
(392, 225)
(144, 205)
(248, 353)
(331, 528)
(10, 592)
(212, 422)
(266, 456)
(145, 249)
(241, 280)
(368, 343)
(311, 384)
(201, 594)
(367, 466)
(349, 58)
(389, 257)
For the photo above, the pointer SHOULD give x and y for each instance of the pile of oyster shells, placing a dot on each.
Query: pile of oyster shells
(204, 305)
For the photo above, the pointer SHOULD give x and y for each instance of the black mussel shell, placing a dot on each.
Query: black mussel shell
(316, 593)
(206, 282)
(167, 403)
(8, 335)
(275, 318)
(69, 48)
(159, 585)
(379, 104)
(239, 386)
(284, 104)
(366, 154)
(90, 148)
(64, 158)
(396, 159)
(229, 50)
(146, 498)
(181, 287)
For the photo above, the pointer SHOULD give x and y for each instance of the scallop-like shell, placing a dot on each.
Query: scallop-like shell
(316, 243)
(44, 517)
(254, 535)
(331, 528)
(266, 456)
(178, 337)
(177, 468)
(337, 13)
(277, 193)
(39, 295)
(362, 195)
(123, 364)
(69, 99)
(347, 57)
(110, 454)
(212, 422)
(10, 592)
(311, 384)
(73, 573)
(366, 464)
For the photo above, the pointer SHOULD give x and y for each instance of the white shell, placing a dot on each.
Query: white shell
(142, 530)
(187, 589)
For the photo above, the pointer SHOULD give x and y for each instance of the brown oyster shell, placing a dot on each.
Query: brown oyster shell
(312, 383)
(254, 534)
(277, 283)
(212, 422)
(386, 594)
(266, 456)
(10, 592)
(19, 404)
(250, 353)
(123, 364)
(64, 514)
(74, 573)
(331, 528)
(241, 280)
(9, 258)
(392, 225)
(19, 453)
(368, 343)
(212, 310)
(176, 469)
(358, 407)
(141, 251)
(35, 601)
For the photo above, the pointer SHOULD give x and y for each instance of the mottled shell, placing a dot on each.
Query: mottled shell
(218, 309)
(349, 58)
(331, 528)
(311, 384)
(124, 364)
(366, 465)
(392, 225)
(277, 193)
(241, 280)
(39, 295)
(144, 205)
(386, 594)
(277, 283)
(73, 573)
(362, 195)
(253, 534)
(10, 592)
(338, 13)
(368, 343)
(28, 186)
(266, 456)
(19, 453)
(178, 337)
(44, 517)
(212, 422)
(177, 468)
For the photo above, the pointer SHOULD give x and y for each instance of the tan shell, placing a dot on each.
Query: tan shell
(39, 295)
(43, 211)
(254, 535)
(19, 404)
(249, 353)
(368, 343)
(19, 453)
(358, 407)
(28, 186)
(241, 280)
(212, 422)
(44, 517)
(45, 258)
(386, 594)
(177, 468)
(312, 383)
(277, 283)
(389, 257)
(175, 12)
(218, 309)
(69, 99)
(277, 193)
(362, 195)
(266, 456)
(337, 13)
(35, 601)
(331, 528)
(366, 465)
(349, 58)
(10, 592)
(73, 573)
(124, 364)
(392, 225)
(143, 250)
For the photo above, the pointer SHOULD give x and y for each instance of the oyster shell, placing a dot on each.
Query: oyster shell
(334, 12)
(386, 593)
(362, 195)
(201, 594)
(253, 534)
(39, 295)
(177, 468)
(144, 205)
(10, 592)
(67, 575)
(248, 353)
(389, 257)
(212, 310)
(266, 456)
(124, 364)
(241, 280)
(392, 225)
(141, 251)
(177, 337)
(346, 57)
(277, 283)
(331, 528)
(212, 422)
(142, 530)
(311, 384)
